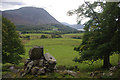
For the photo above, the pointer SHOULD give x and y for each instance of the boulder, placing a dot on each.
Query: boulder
(36, 53)
(50, 62)
(41, 71)
(26, 63)
(34, 70)
(50, 58)
(29, 67)
(35, 62)
(39, 63)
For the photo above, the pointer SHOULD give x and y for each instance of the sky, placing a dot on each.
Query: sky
(57, 8)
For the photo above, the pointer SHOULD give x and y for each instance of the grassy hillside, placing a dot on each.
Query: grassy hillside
(46, 28)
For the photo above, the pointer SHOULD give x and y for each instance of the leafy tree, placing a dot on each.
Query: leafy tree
(11, 44)
(101, 38)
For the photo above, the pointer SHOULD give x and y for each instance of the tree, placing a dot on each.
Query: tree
(101, 38)
(11, 44)
(43, 37)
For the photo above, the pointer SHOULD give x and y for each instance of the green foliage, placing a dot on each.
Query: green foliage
(62, 50)
(101, 38)
(28, 37)
(11, 44)
(46, 28)
(43, 36)
(56, 36)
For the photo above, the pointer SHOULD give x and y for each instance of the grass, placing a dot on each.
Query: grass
(33, 34)
(62, 50)
(78, 34)
(73, 35)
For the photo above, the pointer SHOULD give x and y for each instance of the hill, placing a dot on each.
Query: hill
(30, 16)
(75, 26)
(35, 19)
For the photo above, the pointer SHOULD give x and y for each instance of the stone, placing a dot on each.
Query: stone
(110, 73)
(34, 70)
(35, 62)
(12, 67)
(26, 63)
(50, 58)
(41, 71)
(113, 68)
(36, 53)
(41, 63)
(28, 68)
(71, 72)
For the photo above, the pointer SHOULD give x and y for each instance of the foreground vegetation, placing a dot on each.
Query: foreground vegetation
(63, 50)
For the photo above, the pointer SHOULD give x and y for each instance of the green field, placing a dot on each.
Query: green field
(62, 50)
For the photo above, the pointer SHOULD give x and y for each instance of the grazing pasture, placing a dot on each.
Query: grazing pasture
(63, 50)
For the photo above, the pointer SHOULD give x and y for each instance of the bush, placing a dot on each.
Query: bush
(43, 36)
(56, 36)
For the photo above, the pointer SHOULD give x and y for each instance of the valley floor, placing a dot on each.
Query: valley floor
(63, 50)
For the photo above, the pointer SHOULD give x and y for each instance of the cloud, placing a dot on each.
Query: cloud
(57, 8)
(12, 3)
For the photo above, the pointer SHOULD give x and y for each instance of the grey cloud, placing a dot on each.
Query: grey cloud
(13, 3)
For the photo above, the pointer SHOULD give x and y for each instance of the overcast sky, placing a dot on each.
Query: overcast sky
(57, 8)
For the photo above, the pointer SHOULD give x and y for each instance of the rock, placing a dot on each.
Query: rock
(34, 70)
(41, 71)
(28, 68)
(39, 63)
(92, 74)
(36, 53)
(113, 68)
(96, 74)
(110, 73)
(50, 62)
(35, 62)
(26, 63)
(50, 58)
(103, 74)
(12, 67)
(71, 72)
(67, 72)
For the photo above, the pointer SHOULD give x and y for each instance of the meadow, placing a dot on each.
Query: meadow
(63, 50)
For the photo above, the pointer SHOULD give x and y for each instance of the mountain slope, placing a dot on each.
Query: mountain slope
(75, 26)
(29, 16)
(35, 19)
